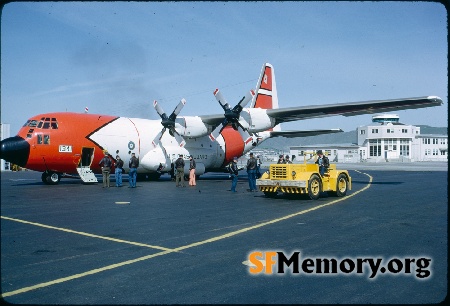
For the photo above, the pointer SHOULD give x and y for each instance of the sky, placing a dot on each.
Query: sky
(117, 57)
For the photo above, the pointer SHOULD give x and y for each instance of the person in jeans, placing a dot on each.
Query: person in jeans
(233, 170)
(133, 164)
(251, 171)
(118, 172)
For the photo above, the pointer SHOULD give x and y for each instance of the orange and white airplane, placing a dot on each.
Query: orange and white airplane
(66, 144)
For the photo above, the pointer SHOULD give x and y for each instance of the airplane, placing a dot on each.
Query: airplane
(68, 144)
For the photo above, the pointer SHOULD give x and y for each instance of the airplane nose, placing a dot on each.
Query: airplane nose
(15, 150)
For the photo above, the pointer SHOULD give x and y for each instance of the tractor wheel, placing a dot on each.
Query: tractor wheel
(270, 194)
(314, 187)
(341, 185)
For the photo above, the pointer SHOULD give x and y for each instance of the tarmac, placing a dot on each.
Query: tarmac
(157, 244)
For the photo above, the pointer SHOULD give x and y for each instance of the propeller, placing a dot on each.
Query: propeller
(231, 114)
(168, 123)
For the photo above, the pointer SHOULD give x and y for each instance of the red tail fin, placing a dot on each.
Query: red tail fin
(266, 89)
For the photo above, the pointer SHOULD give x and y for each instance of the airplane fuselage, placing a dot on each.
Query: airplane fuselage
(63, 142)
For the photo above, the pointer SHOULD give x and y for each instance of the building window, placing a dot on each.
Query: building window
(390, 131)
(426, 141)
(427, 152)
(362, 132)
(374, 131)
(435, 152)
(442, 141)
(404, 150)
(374, 147)
(405, 131)
(390, 144)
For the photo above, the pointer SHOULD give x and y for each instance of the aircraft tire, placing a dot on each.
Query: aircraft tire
(314, 187)
(53, 178)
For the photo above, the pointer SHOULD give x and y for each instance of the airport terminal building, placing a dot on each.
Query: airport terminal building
(386, 139)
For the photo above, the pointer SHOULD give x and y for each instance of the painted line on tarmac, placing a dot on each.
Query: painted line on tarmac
(168, 251)
(87, 234)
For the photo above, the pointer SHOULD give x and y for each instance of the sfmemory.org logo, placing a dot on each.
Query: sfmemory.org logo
(277, 263)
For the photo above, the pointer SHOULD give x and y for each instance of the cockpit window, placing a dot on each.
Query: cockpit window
(32, 123)
(44, 123)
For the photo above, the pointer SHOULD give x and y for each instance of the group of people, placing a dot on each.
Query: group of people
(253, 172)
(106, 164)
(284, 160)
(253, 169)
(179, 168)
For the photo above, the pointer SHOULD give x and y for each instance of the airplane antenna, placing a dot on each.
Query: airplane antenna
(86, 110)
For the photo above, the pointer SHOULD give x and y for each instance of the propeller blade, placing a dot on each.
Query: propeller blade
(221, 99)
(178, 138)
(246, 136)
(158, 109)
(244, 101)
(177, 109)
(156, 141)
(214, 134)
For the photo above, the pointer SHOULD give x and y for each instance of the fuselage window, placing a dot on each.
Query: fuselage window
(46, 139)
(26, 123)
(40, 124)
(39, 138)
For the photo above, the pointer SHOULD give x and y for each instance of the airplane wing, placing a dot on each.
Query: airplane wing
(292, 134)
(350, 109)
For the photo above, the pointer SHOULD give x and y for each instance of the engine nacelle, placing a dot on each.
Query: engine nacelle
(192, 127)
(258, 119)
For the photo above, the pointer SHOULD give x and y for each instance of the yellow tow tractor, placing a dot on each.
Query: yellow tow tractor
(304, 179)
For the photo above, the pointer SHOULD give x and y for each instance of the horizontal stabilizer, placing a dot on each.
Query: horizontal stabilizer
(292, 134)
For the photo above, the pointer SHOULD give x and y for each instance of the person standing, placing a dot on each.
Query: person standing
(133, 164)
(251, 171)
(258, 167)
(105, 163)
(192, 167)
(118, 172)
(179, 167)
(234, 171)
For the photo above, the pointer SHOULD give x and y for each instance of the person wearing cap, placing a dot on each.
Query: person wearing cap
(179, 167)
(287, 160)
(192, 166)
(118, 172)
(133, 164)
(323, 162)
(251, 172)
(105, 163)
(280, 159)
(234, 171)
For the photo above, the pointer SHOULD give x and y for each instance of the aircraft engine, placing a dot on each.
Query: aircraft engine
(199, 168)
(259, 120)
(192, 127)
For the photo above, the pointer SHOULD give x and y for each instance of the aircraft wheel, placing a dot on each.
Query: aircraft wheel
(53, 178)
(314, 187)
(341, 185)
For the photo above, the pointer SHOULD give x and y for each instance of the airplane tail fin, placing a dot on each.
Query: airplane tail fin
(266, 96)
